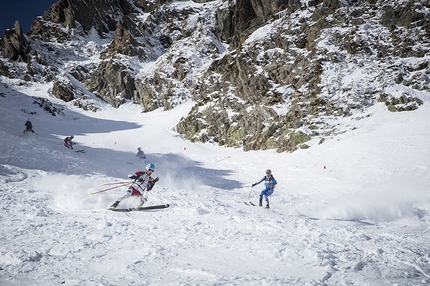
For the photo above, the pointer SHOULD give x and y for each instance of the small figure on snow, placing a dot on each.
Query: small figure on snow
(68, 142)
(28, 127)
(143, 183)
(140, 154)
(270, 184)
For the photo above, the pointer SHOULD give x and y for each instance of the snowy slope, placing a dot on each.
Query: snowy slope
(354, 210)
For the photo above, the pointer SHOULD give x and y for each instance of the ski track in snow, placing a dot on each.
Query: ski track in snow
(363, 220)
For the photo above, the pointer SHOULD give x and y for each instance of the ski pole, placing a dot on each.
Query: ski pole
(116, 183)
(101, 191)
(249, 196)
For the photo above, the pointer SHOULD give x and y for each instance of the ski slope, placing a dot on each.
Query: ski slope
(354, 210)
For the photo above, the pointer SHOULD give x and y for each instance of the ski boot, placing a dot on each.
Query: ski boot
(261, 202)
(115, 204)
(142, 201)
(267, 205)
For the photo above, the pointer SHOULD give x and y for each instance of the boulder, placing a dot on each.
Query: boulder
(63, 91)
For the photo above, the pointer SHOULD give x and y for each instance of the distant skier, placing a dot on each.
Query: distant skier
(68, 142)
(270, 185)
(143, 183)
(28, 127)
(140, 154)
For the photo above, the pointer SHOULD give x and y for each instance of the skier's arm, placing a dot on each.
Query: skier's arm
(132, 176)
(262, 179)
(135, 175)
(274, 183)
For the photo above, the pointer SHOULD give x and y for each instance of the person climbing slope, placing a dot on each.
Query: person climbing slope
(28, 127)
(140, 154)
(68, 142)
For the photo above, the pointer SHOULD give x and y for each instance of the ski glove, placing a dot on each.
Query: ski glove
(254, 185)
(152, 183)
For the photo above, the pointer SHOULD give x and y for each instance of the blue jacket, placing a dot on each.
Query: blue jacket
(268, 182)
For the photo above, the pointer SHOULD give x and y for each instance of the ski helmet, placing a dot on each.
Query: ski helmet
(138, 149)
(150, 167)
(71, 136)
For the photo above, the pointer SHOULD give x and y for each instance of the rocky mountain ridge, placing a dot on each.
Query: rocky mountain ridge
(264, 74)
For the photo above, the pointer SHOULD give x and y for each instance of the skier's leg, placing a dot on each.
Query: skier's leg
(267, 195)
(126, 195)
(264, 194)
(143, 200)
(260, 203)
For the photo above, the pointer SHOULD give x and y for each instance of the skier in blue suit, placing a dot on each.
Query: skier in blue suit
(270, 184)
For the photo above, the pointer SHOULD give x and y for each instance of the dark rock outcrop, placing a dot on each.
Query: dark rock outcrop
(112, 82)
(63, 91)
(81, 16)
(14, 45)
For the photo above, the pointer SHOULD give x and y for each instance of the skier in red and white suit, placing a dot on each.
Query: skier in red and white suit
(143, 182)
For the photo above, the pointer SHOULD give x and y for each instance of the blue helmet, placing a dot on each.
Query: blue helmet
(150, 167)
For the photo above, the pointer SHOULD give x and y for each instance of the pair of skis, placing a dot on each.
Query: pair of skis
(141, 208)
(249, 203)
(253, 205)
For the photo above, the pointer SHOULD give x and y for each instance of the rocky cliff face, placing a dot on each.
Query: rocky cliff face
(14, 45)
(286, 66)
(265, 74)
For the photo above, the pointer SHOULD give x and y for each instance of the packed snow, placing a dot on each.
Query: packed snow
(354, 210)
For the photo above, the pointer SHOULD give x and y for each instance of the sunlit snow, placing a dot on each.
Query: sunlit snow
(351, 211)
